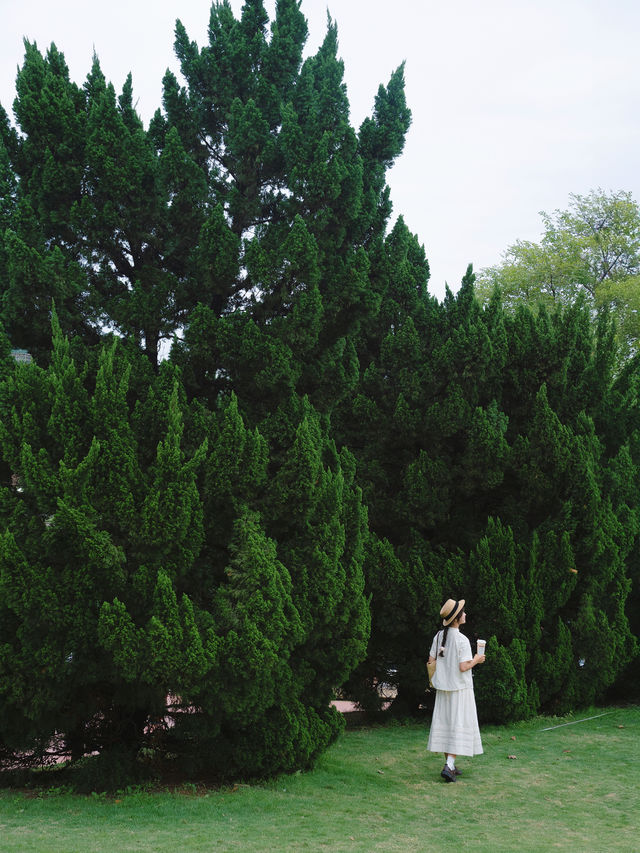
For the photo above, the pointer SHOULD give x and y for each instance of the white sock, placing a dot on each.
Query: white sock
(451, 762)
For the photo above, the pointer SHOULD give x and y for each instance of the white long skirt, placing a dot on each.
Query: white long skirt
(454, 726)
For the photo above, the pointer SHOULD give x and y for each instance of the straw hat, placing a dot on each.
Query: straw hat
(451, 610)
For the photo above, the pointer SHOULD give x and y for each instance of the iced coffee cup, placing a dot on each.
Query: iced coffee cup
(481, 645)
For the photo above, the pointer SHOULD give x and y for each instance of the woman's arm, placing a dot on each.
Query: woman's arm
(469, 664)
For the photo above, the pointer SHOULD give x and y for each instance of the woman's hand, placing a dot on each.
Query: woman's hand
(469, 664)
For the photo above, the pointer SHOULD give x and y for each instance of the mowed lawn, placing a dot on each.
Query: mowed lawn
(542, 785)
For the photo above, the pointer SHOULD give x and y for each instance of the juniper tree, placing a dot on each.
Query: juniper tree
(102, 222)
(490, 473)
(305, 198)
(302, 193)
(574, 527)
(431, 448)
(243, 215)
(131, 573)
(45, 167)
(73, 521)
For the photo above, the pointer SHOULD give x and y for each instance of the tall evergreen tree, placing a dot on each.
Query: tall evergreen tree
(574, 530)
(153, 573)
(303, 194)
(46, 168)
(488, 472)
(197, 528)
(430, 442)
(103, 222)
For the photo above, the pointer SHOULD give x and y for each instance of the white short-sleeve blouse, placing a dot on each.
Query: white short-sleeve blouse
(457, 650)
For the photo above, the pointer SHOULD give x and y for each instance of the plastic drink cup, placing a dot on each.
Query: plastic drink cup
(481, 645)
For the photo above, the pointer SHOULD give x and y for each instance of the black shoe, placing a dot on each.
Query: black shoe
(448, 774)
(457, 772)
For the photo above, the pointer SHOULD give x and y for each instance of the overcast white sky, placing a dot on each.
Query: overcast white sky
(516, 103)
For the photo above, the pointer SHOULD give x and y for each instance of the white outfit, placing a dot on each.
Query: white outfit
(454, 726)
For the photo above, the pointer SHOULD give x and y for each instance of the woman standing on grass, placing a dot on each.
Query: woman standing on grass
(454, 727)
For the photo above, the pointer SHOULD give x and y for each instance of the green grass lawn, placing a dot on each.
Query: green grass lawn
(575, 786)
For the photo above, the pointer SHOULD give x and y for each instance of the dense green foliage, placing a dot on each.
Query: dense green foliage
(137, 564)
(197, 550)
(498, 454)
(198, 534)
